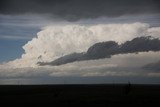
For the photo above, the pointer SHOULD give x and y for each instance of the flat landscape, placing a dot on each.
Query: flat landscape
(72, 95)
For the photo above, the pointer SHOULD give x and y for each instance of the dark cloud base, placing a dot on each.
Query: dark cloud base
(109, 48)
(153, 66)
(80, 9)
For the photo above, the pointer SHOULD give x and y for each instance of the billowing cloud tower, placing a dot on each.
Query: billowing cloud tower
(56, 41)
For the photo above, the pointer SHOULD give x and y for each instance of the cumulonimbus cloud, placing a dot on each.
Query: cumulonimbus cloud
(56, 41)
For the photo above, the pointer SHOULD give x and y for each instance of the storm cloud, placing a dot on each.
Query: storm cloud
(73, 40)
(107, 49)
(80, 9)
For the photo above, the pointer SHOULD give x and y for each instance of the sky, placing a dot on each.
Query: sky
(20, 23)
(33, 31)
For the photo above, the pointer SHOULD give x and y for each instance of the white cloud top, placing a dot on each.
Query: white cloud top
(55, 41)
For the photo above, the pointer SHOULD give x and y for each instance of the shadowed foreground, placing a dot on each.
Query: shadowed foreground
(80, 95)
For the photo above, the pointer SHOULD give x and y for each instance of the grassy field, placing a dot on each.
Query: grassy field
(100, 95)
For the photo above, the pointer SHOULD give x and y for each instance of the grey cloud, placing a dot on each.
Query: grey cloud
(107, 49)
(153, 66)
(80, 9)
(65, 59)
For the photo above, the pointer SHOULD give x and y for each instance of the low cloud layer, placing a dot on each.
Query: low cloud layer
(108, 49)
(153, 66)
(118, 65)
